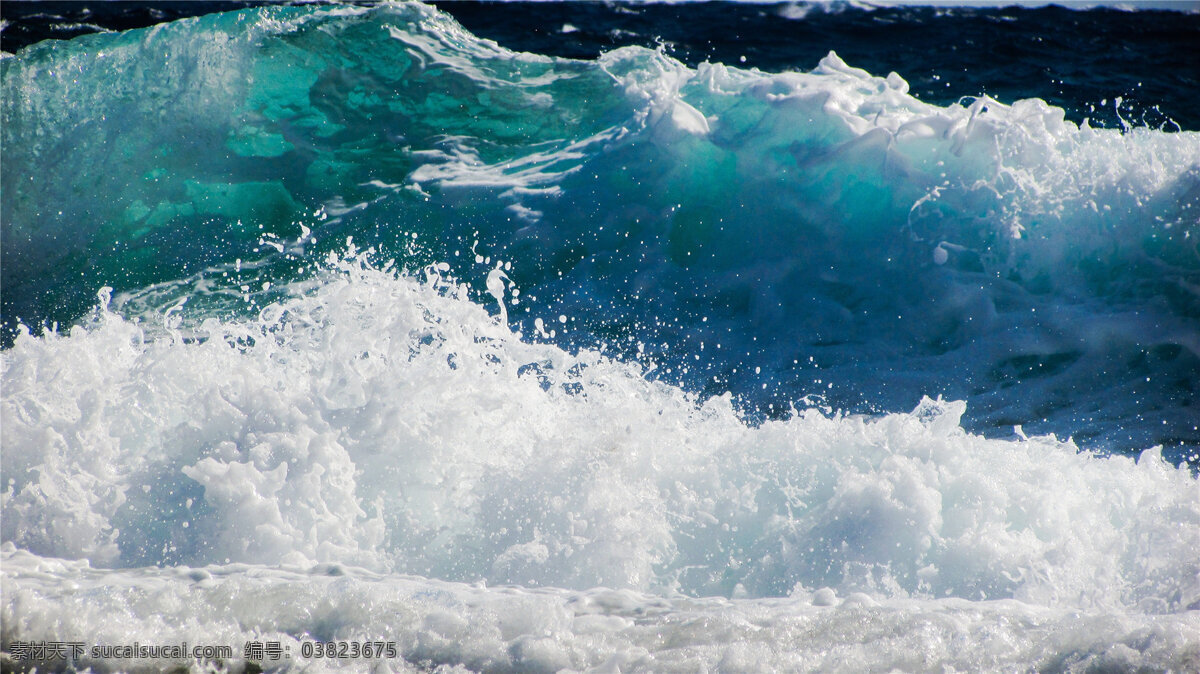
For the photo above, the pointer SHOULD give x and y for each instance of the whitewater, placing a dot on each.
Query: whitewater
(335, 323)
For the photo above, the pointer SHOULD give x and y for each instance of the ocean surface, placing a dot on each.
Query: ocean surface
(601, 337)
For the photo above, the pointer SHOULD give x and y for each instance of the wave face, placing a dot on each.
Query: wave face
(390, 315)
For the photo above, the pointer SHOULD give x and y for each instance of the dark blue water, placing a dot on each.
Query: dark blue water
(1074, 59)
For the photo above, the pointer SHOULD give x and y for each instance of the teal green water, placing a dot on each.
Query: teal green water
(148, 155)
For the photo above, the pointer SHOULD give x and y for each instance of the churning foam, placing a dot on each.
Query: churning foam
(378, 423)
(386, 422)
(454, 627)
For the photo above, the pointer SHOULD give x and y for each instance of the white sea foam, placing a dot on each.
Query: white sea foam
(385, 422)
(382, 422)
(445, 627)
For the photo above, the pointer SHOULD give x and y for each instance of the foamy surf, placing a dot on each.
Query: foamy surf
(385, 422)
(442, 626)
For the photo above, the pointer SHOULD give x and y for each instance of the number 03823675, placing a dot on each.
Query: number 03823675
(348, 649)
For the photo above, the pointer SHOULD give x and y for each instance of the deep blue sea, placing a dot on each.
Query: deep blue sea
(603, 336)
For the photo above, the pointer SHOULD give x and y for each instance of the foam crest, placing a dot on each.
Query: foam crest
(387, 422)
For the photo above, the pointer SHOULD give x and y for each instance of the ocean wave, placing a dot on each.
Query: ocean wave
(339, 322)
(825, 227)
